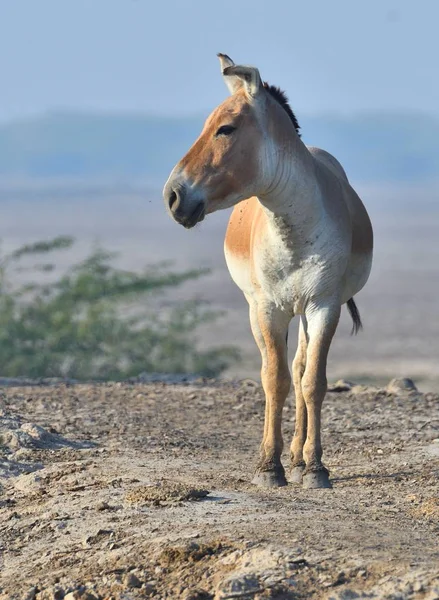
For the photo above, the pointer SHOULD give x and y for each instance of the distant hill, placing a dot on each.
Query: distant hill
(371, 146)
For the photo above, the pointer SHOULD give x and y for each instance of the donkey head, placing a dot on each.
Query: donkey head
(235, 156)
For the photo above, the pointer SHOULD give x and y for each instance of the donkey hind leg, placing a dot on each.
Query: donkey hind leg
(299, 364)
(269, 327)
(322, 323)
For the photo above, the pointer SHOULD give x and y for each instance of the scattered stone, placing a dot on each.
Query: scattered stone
(148, 589)
(396, 386)
(391, 588)
(239, 585)
(197, 594)
(31, 594)
(131, 581)
(418, 586)
(54, 594)
(341, 386)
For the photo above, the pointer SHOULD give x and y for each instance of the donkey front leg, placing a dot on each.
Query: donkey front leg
(299, 438)
(322, 323)
(270, 327)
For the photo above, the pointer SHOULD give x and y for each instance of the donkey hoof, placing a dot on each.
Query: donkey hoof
(296, 474)
(270, 479)
(316, 480)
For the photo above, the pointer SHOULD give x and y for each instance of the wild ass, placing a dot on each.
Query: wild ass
(299, 242)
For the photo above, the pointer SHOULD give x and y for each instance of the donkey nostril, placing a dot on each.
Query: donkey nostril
(172, 199)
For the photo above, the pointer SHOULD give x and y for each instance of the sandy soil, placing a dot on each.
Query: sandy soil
(141, 490)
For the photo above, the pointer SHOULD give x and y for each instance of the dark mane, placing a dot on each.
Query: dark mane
(282, 99)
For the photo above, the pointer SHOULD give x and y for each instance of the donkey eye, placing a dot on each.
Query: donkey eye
(225, 130)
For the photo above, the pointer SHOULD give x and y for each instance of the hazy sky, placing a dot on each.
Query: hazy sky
(329, 55)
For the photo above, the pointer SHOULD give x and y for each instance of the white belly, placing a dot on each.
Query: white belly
(292, 288)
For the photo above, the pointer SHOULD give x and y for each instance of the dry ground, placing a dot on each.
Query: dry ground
(139, 490)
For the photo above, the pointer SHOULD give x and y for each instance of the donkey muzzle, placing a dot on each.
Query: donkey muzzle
(183, 209)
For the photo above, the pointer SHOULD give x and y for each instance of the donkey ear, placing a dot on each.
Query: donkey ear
(248, 76)
(233, 83)
(225, 61)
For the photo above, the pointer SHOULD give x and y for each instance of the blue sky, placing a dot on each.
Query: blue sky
(159, 57)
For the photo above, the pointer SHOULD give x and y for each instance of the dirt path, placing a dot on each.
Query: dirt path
(104, 495)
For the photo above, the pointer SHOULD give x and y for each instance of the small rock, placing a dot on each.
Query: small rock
(196, 594)
(132, 581)
(148, 589)
(31, 593)
(239, 584)
(396, 386)
(340, 386)
(54, 594)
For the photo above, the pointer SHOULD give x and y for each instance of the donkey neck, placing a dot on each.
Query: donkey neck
(292, 199)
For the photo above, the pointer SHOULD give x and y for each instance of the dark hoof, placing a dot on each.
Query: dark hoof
(296, 474)
(316, 480)
(270, 479)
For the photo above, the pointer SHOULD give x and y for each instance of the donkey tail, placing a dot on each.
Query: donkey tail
(355, 316)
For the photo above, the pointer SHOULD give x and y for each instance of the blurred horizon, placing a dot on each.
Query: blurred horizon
(373, 146)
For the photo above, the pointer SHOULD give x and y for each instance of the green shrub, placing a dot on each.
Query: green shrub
(99, 322)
